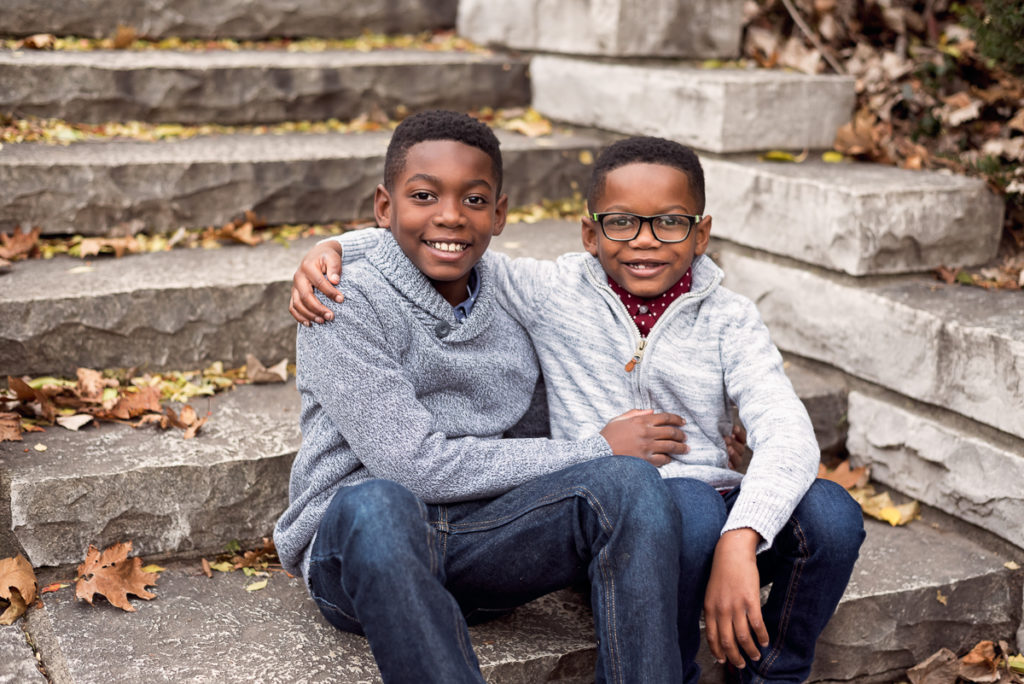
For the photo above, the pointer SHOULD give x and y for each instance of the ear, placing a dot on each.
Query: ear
(591, 235)
(500, 215)
(382, 206)
(703, 230)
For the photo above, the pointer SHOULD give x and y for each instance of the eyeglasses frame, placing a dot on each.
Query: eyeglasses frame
(599, 217)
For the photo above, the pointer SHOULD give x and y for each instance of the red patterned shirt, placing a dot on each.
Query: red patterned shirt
(645, 312)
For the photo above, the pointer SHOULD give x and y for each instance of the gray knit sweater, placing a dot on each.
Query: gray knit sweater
(395, 388)
(707, 350)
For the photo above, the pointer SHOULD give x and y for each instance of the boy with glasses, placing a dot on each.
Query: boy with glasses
(640, 321)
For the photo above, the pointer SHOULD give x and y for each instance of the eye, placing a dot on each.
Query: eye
(422, 196)
(670, 221)
(476, 200)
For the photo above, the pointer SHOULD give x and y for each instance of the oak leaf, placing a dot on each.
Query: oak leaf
(132, 404)
(845, 476)
(18, 243)
(260, 374)
(10, 427)
(113, 575)
(17, 587)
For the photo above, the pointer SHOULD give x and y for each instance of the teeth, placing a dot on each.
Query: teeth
(448, 246)
(643, 267)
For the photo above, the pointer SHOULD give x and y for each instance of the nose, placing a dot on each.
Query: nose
(645, 238)
(449, 213)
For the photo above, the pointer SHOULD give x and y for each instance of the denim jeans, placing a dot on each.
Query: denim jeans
(408, 575)
(808, 566)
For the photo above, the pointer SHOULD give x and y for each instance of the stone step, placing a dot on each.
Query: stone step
(717, 110)
(858, 218)
(252, 87)
(241, 19)
(18, 663)
(942, 459)
(955, 347)
(618, 28)
(90, 188)
(914, 590)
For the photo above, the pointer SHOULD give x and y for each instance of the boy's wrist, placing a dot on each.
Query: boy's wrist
(743, 537)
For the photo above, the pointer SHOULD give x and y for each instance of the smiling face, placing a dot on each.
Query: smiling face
(643, 266)
(443, 210)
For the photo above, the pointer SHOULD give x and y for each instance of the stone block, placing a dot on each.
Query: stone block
(955, 347)
(620, 28)
(242, 19)
(717, 110)
(17, 661)
(823, 392)
(166, 494)
(180, 309)
(941, 460)
(91, 188)
(858, 218)
(253, 87)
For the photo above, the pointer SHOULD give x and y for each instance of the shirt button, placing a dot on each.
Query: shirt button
(442, 329)
(642, 309)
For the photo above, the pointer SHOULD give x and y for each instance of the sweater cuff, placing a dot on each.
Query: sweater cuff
(762, 515)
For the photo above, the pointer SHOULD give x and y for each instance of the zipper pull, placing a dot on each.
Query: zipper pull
(637, 355)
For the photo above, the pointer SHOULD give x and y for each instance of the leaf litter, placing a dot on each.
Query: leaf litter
(879, 506)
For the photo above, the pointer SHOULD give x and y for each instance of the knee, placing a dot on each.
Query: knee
(831, 520)
(702, 512)
(373, 513)
(633, 489)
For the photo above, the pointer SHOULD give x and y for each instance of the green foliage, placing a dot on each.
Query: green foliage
(999, 31)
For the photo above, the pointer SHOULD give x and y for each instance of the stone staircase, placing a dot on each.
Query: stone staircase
(922, 380)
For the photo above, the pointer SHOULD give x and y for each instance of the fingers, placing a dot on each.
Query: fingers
(632, 413)
(658, 459)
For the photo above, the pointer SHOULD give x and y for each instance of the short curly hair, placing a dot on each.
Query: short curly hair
(647, 150)
(440, 124)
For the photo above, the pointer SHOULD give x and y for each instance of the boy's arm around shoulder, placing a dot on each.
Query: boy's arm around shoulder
(356, 244)
(525, 284)
(351, 368)
(779, 431)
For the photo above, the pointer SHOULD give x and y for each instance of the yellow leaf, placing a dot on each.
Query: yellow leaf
(832, 157)
(941, 598)
(256, 586)
(223, 566)
(781, 156)
(586, 157)
(40, 447)
(1016, 663)
(890, 515)
(1011, 566)
(152, 568)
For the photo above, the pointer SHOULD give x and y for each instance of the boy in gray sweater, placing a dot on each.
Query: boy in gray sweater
(411, 510)
(641, 321)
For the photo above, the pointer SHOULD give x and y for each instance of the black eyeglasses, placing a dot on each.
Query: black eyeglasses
(623, 227)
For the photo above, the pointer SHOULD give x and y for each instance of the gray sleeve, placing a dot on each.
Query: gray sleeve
(373, 404)
(356, 244)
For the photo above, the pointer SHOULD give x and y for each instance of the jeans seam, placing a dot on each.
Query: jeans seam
(551, 498)
(798, 568)
(321, 599)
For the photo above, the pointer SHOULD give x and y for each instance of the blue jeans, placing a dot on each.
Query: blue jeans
(408, 575)
(808, 566)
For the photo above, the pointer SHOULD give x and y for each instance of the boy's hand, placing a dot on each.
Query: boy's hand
(732, 604)
(736, 446)
(324, 258)
(648, 435)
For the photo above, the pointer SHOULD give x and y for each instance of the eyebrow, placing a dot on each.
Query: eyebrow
(674, 209)
(437, 181)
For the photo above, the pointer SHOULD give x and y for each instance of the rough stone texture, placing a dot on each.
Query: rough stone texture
(653, 28)
(114, 483)
(179, 309)
(823, 392)
(244, 19)
(859, 218)
(931, 456)
(952, 346)
(91, 188)
(718, 110)
(278, 635)
(252, 87)
(889, 620)
(17, 661)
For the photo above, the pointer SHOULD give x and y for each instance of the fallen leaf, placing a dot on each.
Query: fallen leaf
(153, 568)
(50, 588)
(40, 447)
(259, 374)
(91, 385)
(942, 667)
(881, 507)
(1016, 663)
(113, 575)
(17, 587)
(222, 566)
(981, 664)
(845, 476)
(586, 157)
(124, 37)
(132, 404)
(781, 156)
(256, 586)
(75, 421)
(941, 598)
(18, 243)
(833, 157)
(10, 427)
(1010, 565)
(206, 568)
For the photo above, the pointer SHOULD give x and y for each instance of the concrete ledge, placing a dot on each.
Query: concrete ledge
(113, 483)
(718, 110)
(940, 460)
(653, 28)
(955, 347)
(90, 188)
(253, 87)
(823, 392)
(17, 661)
(242, 19)
(859, 218)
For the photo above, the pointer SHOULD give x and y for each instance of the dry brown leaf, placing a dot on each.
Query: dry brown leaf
(40, 41)
(37, 400)
(17, 587)
(74, 422)
(113, 575)
(259, 374)
(981, 664)
(18, 244)
(10, 427)
(91, 385)
(124, 37)
(942, 667)
(206, 568)
(845, 476)
(133, 404)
